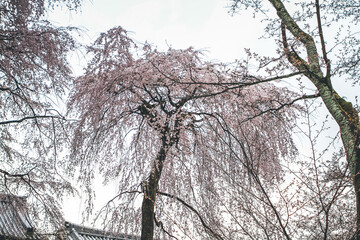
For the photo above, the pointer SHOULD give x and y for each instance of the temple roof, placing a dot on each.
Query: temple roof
(15, 224)
(14, 220)
(77, 232)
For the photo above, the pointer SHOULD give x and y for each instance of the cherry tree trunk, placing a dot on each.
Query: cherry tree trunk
(345, 115)
(347, 119)
(357, 191)
(356, 182)
(150, 188)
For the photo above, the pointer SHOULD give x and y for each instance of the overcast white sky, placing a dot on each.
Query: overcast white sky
(203, 24)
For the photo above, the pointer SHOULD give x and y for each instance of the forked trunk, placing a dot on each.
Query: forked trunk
(345, 115)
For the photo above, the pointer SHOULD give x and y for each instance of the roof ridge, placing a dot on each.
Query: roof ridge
(91, 231)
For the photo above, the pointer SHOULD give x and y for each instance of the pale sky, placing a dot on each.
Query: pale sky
(202, 24)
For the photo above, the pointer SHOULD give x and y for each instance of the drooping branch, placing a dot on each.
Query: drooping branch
(22, 175)
(216, 235)
(161, 225)
(112, 200)
(282, 105)
(248, 159)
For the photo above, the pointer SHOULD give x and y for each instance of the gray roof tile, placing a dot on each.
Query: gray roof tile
(77, 232)
(14, 221)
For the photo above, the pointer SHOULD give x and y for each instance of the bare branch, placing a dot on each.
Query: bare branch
(217, 236)
(31, 117)
(323, 45)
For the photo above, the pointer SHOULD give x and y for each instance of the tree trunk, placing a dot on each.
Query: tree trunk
(347, 119)
(357, 188)
(150, 188)
(342, 111)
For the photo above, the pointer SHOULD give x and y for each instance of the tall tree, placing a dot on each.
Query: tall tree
(151, 120)
(321, 56)
(34, 74)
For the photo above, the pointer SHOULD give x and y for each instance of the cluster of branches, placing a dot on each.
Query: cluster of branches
(34, 75)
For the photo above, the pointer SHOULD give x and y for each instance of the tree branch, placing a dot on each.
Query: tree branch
(217, 236)
(30, 117)
(300, 35)
(281, 106)
(161, 225)
(323, 46)
(292, 56)
(16, 175)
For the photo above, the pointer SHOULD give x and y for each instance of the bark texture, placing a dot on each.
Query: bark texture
(150, 190)
(342, 111)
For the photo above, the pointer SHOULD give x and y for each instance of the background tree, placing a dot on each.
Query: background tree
(318, 39)
(34, 75)
(309, 199)
(152, 120)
